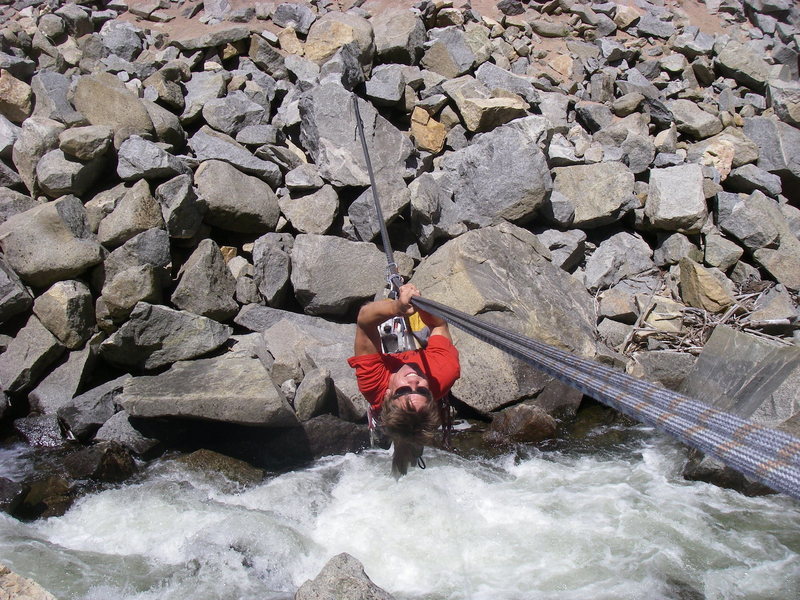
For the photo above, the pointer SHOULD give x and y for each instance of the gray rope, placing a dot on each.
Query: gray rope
(761, 453)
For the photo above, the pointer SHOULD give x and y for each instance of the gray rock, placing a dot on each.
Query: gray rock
(8, 135)
(675, 200)
(85, 414)
(312, 213)
(399, 36)
(782, 263)
(142, 159)
(206, 286)
(598, 194)
(125, 290)
(65, 380)
(328, 123)
(550, 29)
(593, 115)
(57, 175)
(693, 120)
(503, 174)
(104, 100)
(449, 53)
(9, 177)
(121, 38)
(267, 58)
(210, 145)
(650, 25)
(167, 125)
(749, 178)
(748, 219)
(619, 256)
(667, 367)
(203, 87)
(14, 203)
(386, 85)
(41, 431)
(494, 77)
(720, 252)
(776, 142)
(120, 430)
(66, 310)
(394, 198)
(673, 247)
(28, 356)
(14, 296)
(50, 242)
(313, 394)
(234, 112)
(533, 297)
(272, 265)
(324, 284)
(567, 248)
(342, 572)
(156, 336)
(234, 389)
(219, 37)
(743, 64)
(149, 248)
(234, 201)
(182, 213)
(784, 97)
(303, 178)
(520, 424)
(298, 16)
(51, 90)
(37, 137)
(136, 211)
(85, 143)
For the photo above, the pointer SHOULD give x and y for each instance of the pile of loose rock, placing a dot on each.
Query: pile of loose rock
(187, 223)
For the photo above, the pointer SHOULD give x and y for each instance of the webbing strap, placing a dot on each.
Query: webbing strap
(761, 453)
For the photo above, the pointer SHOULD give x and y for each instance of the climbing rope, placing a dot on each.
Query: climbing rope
(761, 453)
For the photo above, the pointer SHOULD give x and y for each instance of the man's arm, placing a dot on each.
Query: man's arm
(368, 340)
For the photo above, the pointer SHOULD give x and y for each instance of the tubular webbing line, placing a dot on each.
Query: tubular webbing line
(762, 453)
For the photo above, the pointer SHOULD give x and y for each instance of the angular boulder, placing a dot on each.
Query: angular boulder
(156, 336)
(28, 356)
(597, 194)
(206, 286)
(675, 200)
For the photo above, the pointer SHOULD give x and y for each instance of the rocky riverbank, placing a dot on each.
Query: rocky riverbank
(187, 229)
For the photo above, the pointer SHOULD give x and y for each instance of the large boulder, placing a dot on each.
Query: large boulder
(83, 415)
(234, 201)
(503, 175)
(138, 158)
(675, 200)
(66, 310)
(619, 256)
(28, 356)
(483, 272)
(272, 266)
(231, 388)
(14, 296)
(135, 212)
(596, 194)
(776, 143)
(328, 123)
(65, 380)
(399, 36)
(104, 100)
(156, 336)
(180, 208)
(323, 274)
(50, 242)
(336, 29)
(206, 285)
(480, 108)
(209, 145)
(37, 137)
(743, 64)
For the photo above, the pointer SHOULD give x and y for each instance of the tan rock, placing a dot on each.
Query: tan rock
(289, 42)
(333, 30)
(626, 16)
(563, 64)
(700, 289)
(19, 588)
(665, 315)
(719, 154)
(16, 98)
(429, 134)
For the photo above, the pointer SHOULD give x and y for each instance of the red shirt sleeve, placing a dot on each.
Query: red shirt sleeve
(372, 374)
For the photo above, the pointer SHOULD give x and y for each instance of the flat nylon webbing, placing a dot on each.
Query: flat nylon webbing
(761, 453)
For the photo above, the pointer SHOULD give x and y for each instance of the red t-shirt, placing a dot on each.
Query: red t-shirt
(439, 362)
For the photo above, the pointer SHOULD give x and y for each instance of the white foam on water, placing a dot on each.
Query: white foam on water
(619, 525)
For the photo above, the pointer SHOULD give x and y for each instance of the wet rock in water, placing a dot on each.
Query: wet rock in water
(520, 424)
(104, 461)
(156, 336)
(40, 431)
(342, 574)
(21, 588)
(83, 415)
(119, 429)
(208, 461)
(12, 493)
(710, 470)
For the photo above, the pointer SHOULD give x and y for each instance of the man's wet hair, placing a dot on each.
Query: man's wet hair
(409, 429)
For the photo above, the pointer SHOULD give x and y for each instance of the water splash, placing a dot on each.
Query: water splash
(616, 525)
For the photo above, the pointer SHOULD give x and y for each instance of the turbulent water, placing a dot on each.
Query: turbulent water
(619, 524)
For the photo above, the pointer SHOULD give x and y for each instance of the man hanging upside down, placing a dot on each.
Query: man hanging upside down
(405, 388)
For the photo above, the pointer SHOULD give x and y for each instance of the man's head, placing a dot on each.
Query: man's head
(410, 385)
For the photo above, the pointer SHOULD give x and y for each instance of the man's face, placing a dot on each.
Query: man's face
(410, 383)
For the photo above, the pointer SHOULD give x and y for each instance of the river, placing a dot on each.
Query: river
(576, 524)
